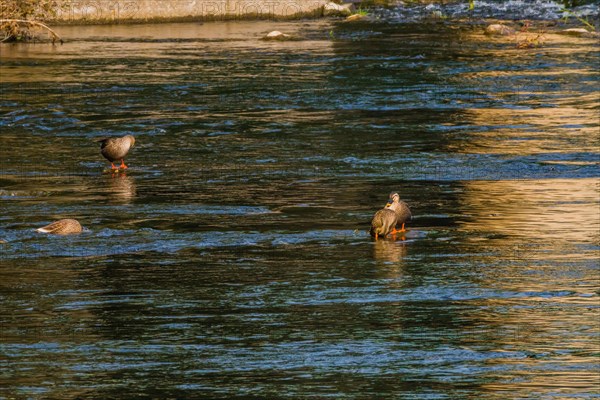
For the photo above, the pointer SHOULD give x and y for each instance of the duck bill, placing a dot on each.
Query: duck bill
(388, 204)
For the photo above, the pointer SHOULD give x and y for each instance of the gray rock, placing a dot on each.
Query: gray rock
(499, 30)
(276, 35)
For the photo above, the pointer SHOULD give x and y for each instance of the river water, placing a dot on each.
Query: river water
(233, 260)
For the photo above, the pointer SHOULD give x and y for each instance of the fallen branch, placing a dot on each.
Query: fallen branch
(55, 36)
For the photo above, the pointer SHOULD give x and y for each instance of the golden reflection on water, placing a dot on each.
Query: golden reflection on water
(188, 41)
(549, 335)
(551, 43)
(565, 210)
(531, 131)
(537, 237)
(532, 115)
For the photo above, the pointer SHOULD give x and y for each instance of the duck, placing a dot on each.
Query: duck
(116, 148)
(62, 227)
(394, 213)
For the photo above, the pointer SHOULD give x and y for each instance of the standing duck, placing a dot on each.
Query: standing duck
(385, 220)
(401, 209)
(62, 227)
(115, 149)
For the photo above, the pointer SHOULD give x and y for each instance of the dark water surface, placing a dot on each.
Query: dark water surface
(232, 259)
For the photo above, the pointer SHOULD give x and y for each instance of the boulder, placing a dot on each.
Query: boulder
(499, 30)
(333, 9)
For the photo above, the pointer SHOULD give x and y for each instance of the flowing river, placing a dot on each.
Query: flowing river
(233, 259)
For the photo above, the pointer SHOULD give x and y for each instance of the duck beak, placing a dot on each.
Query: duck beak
(388, 204)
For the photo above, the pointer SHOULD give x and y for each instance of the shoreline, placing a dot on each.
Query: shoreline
(316, 10)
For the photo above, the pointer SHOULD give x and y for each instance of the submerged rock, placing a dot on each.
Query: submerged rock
(333, 9)
(578, 32)
(499, 30)
(276, 35)
(437, 14)
(356, 17)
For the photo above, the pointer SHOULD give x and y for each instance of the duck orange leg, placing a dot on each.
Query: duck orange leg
(112, 166)
(123, 166)
(394, 231)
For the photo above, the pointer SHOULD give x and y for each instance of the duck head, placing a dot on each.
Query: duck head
(393, 201)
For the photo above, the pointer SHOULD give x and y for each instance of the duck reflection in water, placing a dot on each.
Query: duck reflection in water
(389, 251)
(121, 187)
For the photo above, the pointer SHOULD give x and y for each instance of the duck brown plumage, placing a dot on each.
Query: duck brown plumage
(115, 149)
(383, 223)
(395, 212)
(62, 227)
(401, 210)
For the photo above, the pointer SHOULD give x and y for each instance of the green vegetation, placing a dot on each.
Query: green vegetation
(22, 20)
(361, 11)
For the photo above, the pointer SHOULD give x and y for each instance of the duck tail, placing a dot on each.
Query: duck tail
(48, 228)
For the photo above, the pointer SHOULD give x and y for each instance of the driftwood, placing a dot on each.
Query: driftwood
(29, 23)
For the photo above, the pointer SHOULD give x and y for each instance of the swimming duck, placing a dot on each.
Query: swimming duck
(385, 220)
(115, 149)
(62, 227)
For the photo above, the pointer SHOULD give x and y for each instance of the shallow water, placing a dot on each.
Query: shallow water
(233, 260)
(512, 10)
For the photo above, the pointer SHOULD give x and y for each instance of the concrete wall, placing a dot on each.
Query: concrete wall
(77, 11)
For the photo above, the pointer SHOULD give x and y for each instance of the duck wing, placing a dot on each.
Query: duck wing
(403, 213)
(105, 141)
